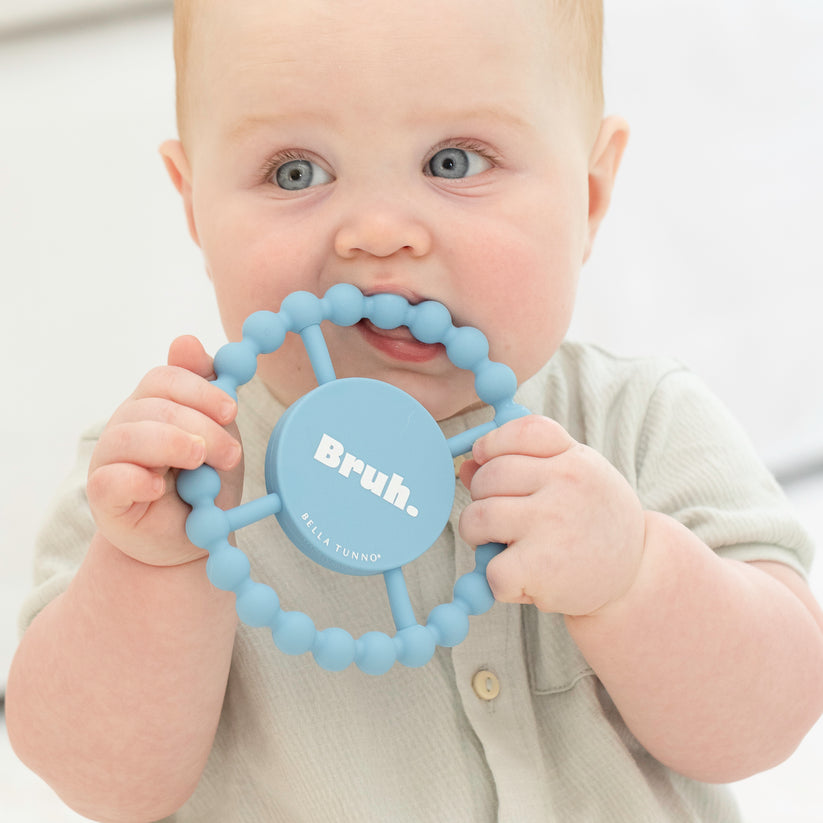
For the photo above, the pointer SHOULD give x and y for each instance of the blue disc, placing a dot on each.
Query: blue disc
(364, 475)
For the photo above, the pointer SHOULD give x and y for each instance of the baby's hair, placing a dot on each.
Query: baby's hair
(582, 23)
(182, 38)
(580, 20)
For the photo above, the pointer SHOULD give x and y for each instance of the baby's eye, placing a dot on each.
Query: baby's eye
(296, 175)
(454, 163)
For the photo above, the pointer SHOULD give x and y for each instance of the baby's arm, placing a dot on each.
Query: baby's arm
(116, 690)
(731, 654)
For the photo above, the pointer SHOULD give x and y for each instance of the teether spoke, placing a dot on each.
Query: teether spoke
(399, 601)
(254, 510)
(463, 442)
(318, 352)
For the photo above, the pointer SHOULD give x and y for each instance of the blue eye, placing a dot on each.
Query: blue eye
(454, 163)
(297, 175)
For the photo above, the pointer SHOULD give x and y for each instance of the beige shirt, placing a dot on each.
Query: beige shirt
(535, 737)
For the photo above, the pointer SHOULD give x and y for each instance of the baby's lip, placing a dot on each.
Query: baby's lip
(397, 333)
(399, 343)
(411, 296)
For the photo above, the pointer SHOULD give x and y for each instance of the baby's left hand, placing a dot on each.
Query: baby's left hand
(573, 525)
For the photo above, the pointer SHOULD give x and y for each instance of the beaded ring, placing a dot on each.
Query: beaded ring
(359, 476)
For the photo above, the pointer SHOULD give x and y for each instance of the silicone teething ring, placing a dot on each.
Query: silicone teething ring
(209, 527)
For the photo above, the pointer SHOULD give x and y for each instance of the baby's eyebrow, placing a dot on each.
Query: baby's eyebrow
(499, 115)
(480, 114)
(255, 122)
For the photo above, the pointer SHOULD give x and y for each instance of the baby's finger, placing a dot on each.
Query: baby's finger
(187, 352)
(115, 488)
(511, 577)
(468, 468)
(222, 450)
(532, 435)
(510, 475)
(188, 389)
(496, 520)
(151, 445)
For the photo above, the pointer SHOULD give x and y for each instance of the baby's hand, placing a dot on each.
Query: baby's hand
(174, 420)
(573, 525)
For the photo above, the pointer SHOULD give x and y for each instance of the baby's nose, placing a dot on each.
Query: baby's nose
(381, 230)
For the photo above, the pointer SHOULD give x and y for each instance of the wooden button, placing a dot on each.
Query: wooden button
(486, 685)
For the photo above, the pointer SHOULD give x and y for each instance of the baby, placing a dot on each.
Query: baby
(653, 633)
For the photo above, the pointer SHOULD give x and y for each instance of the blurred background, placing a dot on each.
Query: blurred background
(711, 254)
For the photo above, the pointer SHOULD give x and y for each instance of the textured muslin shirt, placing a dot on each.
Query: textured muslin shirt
(535, 737)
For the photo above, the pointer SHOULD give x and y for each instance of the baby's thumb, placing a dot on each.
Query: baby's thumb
(187, 352)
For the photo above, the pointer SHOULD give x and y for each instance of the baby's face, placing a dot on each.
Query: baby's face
(421, 148)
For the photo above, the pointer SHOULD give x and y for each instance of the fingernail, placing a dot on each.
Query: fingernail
(235, 453)
(198, 449)
(227, 408)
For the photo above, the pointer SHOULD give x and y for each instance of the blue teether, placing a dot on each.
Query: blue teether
(359, 476)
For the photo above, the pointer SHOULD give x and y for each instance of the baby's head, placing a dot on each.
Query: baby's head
(443, 149)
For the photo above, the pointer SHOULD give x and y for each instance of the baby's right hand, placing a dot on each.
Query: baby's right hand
(174, 420)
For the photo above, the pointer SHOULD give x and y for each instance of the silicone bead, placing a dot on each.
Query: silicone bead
(467, 347)
(376, 653)
(473, 590)
(294, 632)
(415, 646)
(239, 359)
(257, 604)
(302, 309)
(430, 321)
(227, 567)
(198, 485)
(206, 525)
(334, 649)
(494, 383)
(266, 329)
(450, 622)
(387, 311)
(343, 304)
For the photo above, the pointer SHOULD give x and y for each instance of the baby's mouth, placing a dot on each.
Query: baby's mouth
(397, 333)
(399, 343)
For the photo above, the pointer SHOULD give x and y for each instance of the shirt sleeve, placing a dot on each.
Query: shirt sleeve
(64, 538)
(695, 463)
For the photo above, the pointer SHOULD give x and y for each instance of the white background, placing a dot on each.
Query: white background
(711, 254)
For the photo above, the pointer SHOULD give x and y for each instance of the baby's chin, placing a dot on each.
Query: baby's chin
(477, 404)
(444, 397)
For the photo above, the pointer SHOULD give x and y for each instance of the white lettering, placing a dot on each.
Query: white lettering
(351, 464)
(373, 480)
(332, 453)
(329, 451)
(397, 494)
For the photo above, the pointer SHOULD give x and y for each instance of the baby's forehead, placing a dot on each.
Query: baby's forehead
(212, 33)
(577, 18)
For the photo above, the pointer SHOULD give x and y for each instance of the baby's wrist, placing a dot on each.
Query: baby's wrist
(154, 558)
(634, 579)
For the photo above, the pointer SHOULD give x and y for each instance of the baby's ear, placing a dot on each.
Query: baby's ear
(603, 164)
(177, 165)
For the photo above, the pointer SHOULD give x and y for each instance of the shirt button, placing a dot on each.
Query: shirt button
(486, 685)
